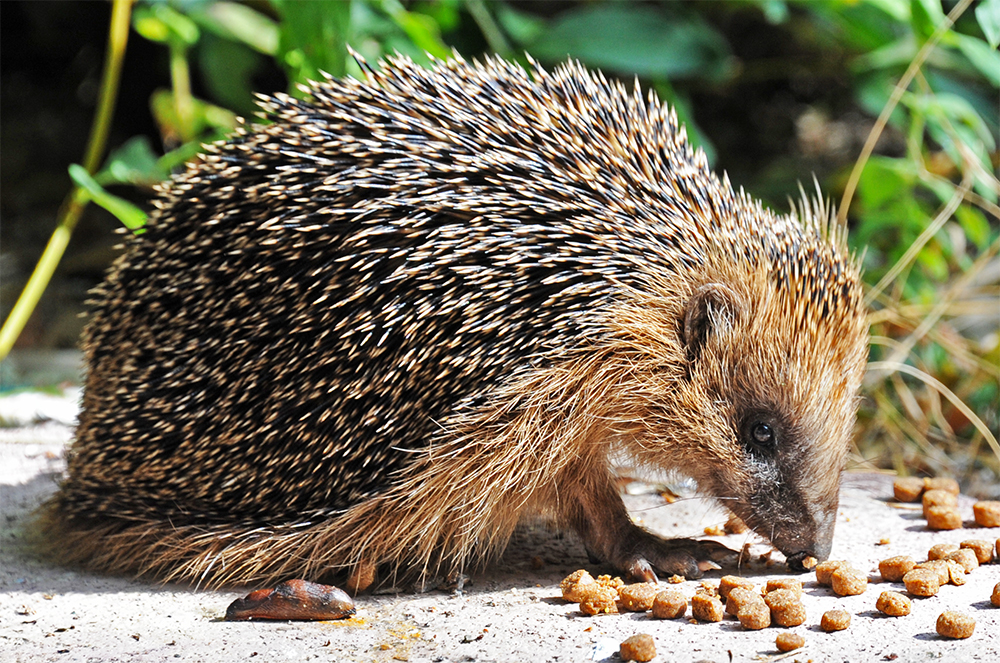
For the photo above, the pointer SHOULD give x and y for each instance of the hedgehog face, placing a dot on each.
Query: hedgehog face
(776, 392)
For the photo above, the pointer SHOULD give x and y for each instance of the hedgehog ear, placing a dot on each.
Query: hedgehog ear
(712, 309)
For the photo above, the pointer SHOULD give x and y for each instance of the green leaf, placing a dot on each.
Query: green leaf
(240, 23)
(422, 30)
(925, 16)
(521, 27)
(658, 44)
(975, 225)
(131, 216)
(884, 179)
(988, 15)
(132, 163)
(983, 57)
(313, 38)
(162, 24)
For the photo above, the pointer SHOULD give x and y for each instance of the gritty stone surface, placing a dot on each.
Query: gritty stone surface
(511, 612)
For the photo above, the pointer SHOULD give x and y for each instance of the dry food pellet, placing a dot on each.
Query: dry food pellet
(847, 581)
(615, 583)
(941, 550)
(639, 647)
(938, 566)
(983, 549)
(995, 598)
(835, 620)
(944, 517)
(922, 582)
(715, 530)
(824, 570)
(735, 525)
(907, 489)
(946, 484)
(938, 498)
(788, 641)
(638, 597)
(727, 583)
(894, 568)
(955, 625)
(786, 607)
(707, 608)
(967, 558)
(987, 514)
(599, 600)
(793, 584)
(709, 588)
(754, 615)
(669, 604)
(893, 604)
(956, 573)
(574, 584)
(739, 597)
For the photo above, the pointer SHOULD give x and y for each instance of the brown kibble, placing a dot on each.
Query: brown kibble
(638, 597)
(707, 608)
(739, 597)
(754, 615)
(987, 514)
(715, 530)
(835, 620)
(947, 484)
(847, 581)
(967, 558)
(941, 550)
(983, 549)
(809, 562)
(908, 489)
(615, 583)
(728, 583)
(995, 597)
(944, 517)
(675, 579)
(786, 607)
(922, 582)
(574, 586)
(934, 498)
(938, 566)
(793, 584)
(956, 573)
(955, 625)
(824, 570)
(893, 604)
(599, 599)
(735, 526)
(787, 641)
(894, 568)
(669, 604)
(708, 587)
(639, 647)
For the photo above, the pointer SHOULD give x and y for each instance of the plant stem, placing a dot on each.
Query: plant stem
(76, 200)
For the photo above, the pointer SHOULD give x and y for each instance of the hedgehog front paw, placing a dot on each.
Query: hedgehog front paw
(642, 554)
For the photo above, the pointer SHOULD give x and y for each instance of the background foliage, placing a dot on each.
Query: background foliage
(775, 91)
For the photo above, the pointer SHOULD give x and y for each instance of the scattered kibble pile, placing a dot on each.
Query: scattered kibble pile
(779, 602)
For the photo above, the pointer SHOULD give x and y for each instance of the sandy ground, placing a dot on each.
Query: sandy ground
(512, 612)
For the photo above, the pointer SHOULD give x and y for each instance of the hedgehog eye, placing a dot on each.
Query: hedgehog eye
(762, 436)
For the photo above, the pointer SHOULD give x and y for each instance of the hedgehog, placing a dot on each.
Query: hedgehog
(410, 311)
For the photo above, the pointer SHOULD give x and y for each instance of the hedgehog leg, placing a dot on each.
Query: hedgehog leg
(597, 513)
